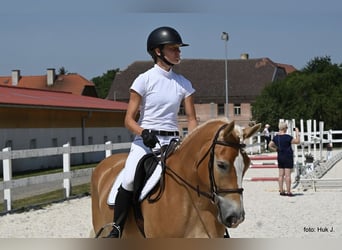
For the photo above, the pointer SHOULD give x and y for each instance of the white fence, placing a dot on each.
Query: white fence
(7, 155)
(311, 139)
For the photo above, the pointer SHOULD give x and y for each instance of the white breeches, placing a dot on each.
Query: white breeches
(138, 150)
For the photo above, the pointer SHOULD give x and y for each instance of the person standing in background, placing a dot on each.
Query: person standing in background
(267, 136)
(282, 143)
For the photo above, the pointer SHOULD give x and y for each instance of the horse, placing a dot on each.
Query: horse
(202, 193)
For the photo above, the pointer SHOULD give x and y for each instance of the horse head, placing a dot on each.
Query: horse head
(229, 164)
(223, 161)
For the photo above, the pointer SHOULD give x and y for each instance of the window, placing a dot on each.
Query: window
(237, 109)
(33, 143)
(220, 109)
(9, 144)
(185, 131)
(90, 140)
(73, 141)
(54, 142)
(181, 110)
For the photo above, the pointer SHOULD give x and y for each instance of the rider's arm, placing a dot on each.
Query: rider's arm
(132, 112)
(190, 112)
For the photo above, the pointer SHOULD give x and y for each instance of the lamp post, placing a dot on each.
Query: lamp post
(225, 38)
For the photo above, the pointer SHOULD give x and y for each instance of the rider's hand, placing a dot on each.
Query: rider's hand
(149, 138)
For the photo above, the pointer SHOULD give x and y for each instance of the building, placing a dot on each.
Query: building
(73, 83)
(36, 118)
(246, 79)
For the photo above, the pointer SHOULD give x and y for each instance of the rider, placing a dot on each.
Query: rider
(157, 94)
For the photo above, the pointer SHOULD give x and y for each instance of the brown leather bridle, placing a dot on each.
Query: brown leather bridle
(214, 190)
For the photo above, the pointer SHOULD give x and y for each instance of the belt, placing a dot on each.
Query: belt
(165, 133)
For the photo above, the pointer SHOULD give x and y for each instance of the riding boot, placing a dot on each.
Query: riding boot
(122, 205)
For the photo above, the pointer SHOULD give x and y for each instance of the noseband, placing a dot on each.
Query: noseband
(214, 190)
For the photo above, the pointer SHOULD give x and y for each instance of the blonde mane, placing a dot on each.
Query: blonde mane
(199, 128)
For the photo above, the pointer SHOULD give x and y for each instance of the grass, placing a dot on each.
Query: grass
(39, 201)
(49, 171)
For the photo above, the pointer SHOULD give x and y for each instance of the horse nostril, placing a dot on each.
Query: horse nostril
(231, 220)
(234, 220)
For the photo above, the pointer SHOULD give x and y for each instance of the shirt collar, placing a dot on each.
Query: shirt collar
(163, 71)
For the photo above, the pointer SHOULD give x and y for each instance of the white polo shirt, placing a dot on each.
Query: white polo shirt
(162, 93)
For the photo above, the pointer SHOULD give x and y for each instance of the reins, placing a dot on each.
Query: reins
(214, 190)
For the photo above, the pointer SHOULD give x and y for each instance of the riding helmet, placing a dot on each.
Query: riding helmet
(162, 36)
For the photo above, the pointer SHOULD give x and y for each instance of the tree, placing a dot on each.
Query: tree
(62, 71)
(103, 83)
(312, 93)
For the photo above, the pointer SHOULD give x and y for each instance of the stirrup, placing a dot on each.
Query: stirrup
(115, 233)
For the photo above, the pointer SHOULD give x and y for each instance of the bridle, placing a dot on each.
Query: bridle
(214, 190)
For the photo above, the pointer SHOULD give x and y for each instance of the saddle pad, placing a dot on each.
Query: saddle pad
(151, 182)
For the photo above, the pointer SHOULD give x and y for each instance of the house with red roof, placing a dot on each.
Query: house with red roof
(73, 83)
(33, 118)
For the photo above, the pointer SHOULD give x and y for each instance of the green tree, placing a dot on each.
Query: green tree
(62, 71)
(312, 93)
(103, 83)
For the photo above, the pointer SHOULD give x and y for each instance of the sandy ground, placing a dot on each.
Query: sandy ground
(309, 214)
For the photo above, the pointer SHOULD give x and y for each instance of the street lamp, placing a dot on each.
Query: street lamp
(225, 37)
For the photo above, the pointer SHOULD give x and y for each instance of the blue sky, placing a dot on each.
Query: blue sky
(89, 37)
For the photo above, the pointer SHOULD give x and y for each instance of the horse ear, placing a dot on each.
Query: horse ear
(230, 127)
(248, 132)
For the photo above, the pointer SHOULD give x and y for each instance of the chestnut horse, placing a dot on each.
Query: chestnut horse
(203, 186)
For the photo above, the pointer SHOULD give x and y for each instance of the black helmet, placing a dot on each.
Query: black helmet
(162, 36)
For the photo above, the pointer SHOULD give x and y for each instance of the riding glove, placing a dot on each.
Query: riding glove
(149, 138)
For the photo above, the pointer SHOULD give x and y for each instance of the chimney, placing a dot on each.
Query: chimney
(51, 75)
(244, 56)
(15, 77)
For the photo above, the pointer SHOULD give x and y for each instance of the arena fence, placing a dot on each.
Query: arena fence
(310, 139)
(7, 155)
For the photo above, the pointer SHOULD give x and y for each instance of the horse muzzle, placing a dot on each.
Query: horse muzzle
(230, 213)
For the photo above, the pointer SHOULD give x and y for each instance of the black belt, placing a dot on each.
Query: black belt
(165, 133)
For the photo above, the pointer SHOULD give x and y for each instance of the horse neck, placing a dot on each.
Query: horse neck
(193, 148)
(201, 135)
(185, 163)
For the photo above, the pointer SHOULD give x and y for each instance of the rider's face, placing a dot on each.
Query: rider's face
(172, 53)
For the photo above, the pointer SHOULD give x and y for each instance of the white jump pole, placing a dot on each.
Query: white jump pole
(315, 138)
(308, 127)
(321, 129)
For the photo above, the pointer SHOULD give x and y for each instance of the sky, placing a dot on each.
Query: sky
(90, 37)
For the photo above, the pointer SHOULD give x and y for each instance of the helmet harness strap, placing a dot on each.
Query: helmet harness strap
(162, 56)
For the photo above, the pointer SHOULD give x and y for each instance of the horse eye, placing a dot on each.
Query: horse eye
(222, 165)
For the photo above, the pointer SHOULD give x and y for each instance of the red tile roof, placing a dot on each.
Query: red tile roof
(73, 83)
(288, 68)
(18, 96)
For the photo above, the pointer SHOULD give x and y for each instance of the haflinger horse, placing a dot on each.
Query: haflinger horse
(202, 193)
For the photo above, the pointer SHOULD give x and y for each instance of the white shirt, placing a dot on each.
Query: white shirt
(162, 93)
